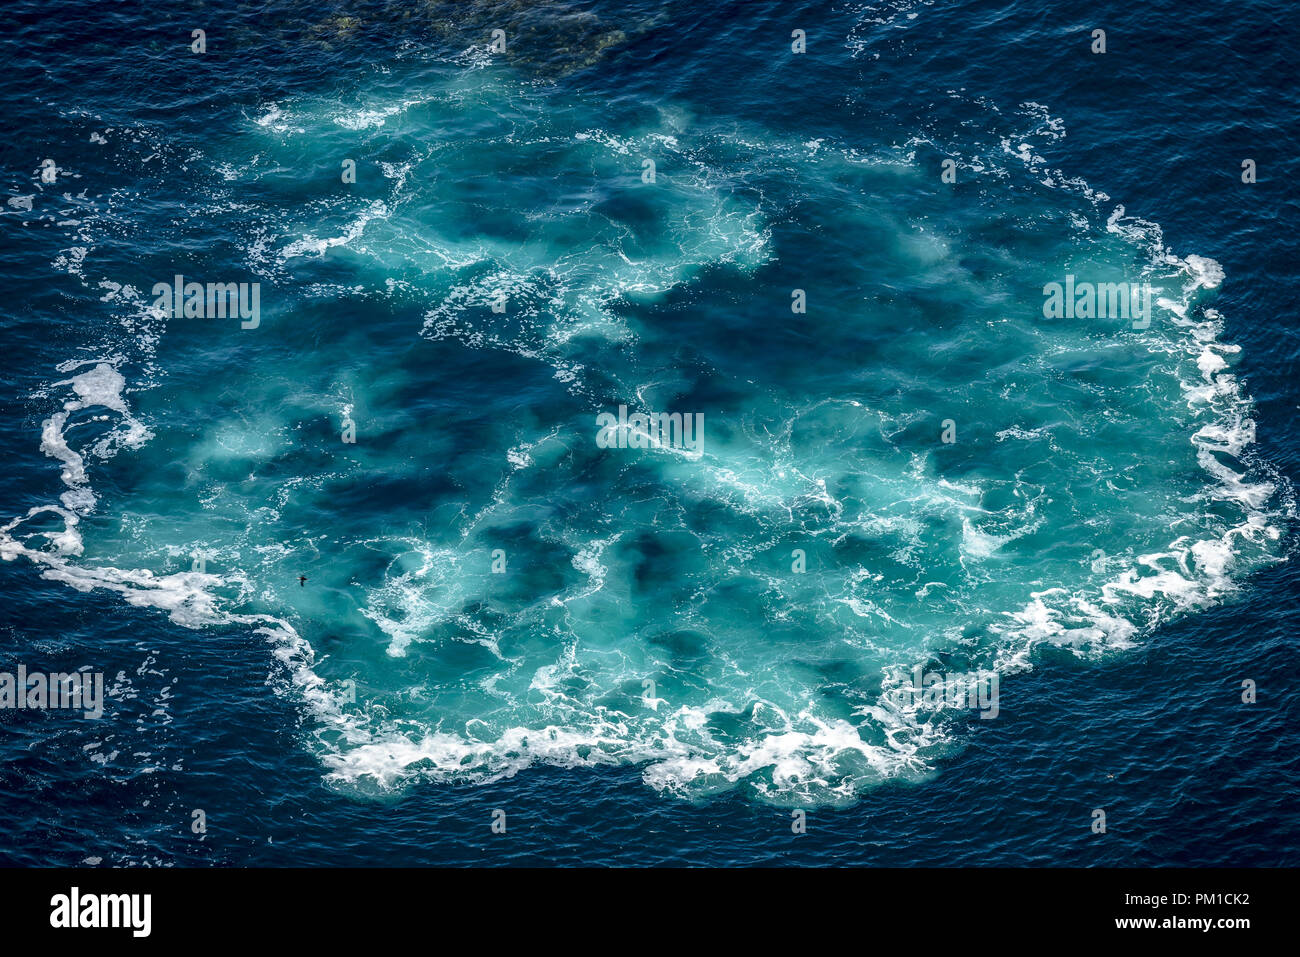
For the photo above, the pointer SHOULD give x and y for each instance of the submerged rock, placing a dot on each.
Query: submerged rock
(549, 39)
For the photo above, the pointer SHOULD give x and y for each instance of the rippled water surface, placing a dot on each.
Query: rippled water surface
(906, 471)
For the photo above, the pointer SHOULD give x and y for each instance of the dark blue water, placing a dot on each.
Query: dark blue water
(1151, 730)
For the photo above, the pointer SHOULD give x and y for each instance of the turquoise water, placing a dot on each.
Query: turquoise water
(918, 470)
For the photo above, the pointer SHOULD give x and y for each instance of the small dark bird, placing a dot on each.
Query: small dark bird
(302, 581)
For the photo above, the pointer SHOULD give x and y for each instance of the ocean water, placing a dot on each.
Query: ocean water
(836, 258)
